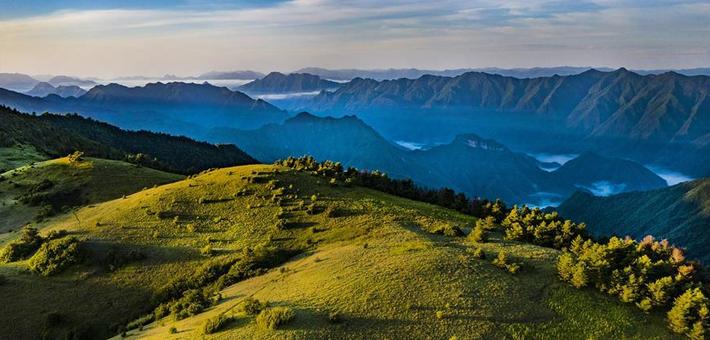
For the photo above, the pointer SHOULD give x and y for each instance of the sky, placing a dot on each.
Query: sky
(106, 38)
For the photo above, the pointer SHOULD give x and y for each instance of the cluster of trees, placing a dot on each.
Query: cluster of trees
(544, 229)
(29, 242)
(406, 188)
(651, 274)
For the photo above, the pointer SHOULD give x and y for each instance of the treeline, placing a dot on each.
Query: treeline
(653, 275)
(59, 135)
(406, 188)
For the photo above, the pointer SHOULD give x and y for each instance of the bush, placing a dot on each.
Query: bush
(440, 314)
(272, 318)
(172, 330)
(690, 314)
(56, 255)
(192, 302)
(216, 324)
(477, 253)
(28, 243)
(251, 306)
(478, 235)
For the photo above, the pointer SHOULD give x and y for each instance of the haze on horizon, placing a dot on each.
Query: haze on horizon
(117, 38)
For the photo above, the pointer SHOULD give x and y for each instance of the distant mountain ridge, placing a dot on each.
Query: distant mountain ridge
(44, 89)
(177, 108)
(680, 213)
(276, 82)
(520, 72)
(608, 110)
(470, 164)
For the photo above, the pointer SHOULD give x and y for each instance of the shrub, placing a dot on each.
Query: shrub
(273, 318)
(56, 255)
(690, 314)
(251, 306)
(478, 235)
(28, 243)
(192, 302)
(440, 314)
(477, 253)
(501, 260)
(76, 156)
(216, 324)
(172, 330)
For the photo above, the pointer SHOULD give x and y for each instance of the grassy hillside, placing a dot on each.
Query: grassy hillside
(44, 189)
(381, 262)
(680, 213)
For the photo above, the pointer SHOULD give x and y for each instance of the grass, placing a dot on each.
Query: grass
(378, 263)
(19, 155)
(77, 183)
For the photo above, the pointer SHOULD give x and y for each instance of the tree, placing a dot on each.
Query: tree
(690, 314)
(479, 234)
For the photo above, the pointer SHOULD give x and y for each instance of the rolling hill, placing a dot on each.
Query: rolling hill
(50, 136)
(377, 261)
(44, 189)
(276, 82)
(680, 213)
(603, 175)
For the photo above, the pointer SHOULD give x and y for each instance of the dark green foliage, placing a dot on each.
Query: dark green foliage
(20, 249)
(679, 212)
(59, 135)
(544, 229)
(216, 324)
(404, 188)
(192, 302)
(56, 255)
(273, 318)
(251, 306)
(648, 273)
(115, 259)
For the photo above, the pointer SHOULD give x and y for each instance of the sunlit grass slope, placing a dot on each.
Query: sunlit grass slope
(44, 189)
(368, 256)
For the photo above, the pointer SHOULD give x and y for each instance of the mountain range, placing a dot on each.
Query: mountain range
(470, 164)
(276, 82)
(616, 113)
(44, 89)
(680, 213)
(533, 72)
(178, 108)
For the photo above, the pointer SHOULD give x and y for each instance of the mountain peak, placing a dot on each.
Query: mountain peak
(477, 142)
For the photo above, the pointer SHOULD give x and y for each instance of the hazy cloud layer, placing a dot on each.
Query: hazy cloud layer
(106, 39)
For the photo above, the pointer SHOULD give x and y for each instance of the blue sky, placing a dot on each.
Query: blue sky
(112, 38)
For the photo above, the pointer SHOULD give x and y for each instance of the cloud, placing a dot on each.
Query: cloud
(202, 35)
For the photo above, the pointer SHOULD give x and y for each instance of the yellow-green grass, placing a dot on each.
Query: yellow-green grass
(92, 180)
(19, 155)
(372, 262)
